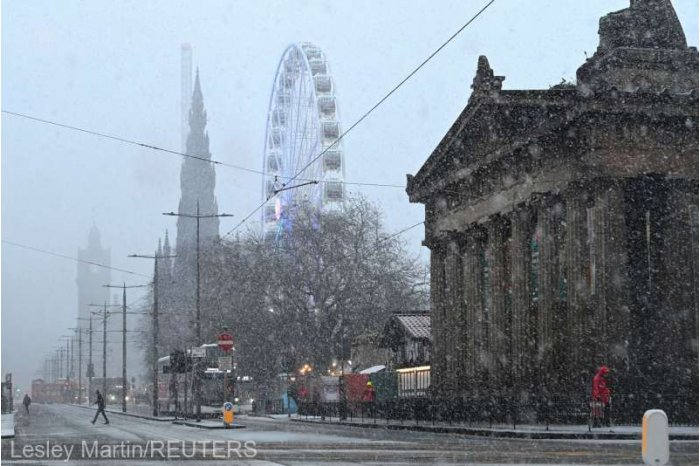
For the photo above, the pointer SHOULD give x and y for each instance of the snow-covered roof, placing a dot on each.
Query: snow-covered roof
(373, 369)
(416, 325)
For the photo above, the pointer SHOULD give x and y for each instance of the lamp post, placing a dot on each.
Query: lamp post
(198, 321)
(79, 331)
(343, 402)
(154, 344)
(90, 372)
(124, 379)
(105, 314)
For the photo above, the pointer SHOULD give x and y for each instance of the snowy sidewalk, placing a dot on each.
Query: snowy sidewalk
(508, 431)
(8, 425)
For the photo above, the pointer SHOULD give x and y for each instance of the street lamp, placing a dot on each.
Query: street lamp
(124, 380)
(154, 345)
(105, 315)
(198, 323)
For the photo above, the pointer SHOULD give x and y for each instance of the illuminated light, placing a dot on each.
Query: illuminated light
(413, 369)
(278, 209)
(236, 400)
(127, 398)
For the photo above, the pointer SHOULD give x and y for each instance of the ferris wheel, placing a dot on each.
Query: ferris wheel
(302, 122)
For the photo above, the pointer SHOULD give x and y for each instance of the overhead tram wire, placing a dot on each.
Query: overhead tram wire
(400, 232)
(174, 152)
(128, 141)
(368, 112)
(96, 264)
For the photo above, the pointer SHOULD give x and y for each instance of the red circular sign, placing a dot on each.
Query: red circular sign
(225, 342)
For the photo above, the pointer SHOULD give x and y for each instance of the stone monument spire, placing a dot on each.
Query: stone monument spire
(197, 182)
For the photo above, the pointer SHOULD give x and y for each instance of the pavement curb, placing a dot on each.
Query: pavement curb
(537, 435)
(204, 426)
(140, 416)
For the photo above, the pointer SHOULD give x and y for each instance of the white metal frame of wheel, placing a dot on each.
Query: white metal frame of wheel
(302, 122)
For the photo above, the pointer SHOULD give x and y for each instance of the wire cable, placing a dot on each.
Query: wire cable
(174, 152)
(31, 248)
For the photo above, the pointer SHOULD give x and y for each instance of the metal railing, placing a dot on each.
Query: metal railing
(503, 411)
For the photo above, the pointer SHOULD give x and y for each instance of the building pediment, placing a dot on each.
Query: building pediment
(489, 127)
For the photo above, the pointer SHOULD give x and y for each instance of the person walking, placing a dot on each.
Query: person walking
(26, 402)
(601, 395)
(100, 402)
(368, 397)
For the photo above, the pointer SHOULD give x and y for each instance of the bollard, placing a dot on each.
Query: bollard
(655, 438)
(228, 414)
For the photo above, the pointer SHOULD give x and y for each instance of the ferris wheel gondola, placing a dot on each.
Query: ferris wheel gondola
(302, 123)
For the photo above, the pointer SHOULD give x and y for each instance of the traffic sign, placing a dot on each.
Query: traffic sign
(199, 352)
(225, 363)
(225, 342)
(228, 406)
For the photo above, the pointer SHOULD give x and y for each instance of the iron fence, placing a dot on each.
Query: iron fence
(498, 410)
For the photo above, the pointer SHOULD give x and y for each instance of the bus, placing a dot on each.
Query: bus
(175, 389)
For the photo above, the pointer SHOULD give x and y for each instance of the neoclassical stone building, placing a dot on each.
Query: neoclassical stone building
(563, 224)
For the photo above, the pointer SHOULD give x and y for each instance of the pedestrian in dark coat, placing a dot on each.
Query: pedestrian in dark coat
(26, 402)
(100, 402)
(601, 394)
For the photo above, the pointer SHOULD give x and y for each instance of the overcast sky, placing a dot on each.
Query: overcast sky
(114, 67)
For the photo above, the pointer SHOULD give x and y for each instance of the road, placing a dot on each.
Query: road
(68, 434)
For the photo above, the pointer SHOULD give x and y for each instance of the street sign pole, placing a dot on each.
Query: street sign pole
(226, 345)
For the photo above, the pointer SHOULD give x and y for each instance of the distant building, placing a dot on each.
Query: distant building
(91, 276)
(197, 183)
(409, 339)
(90, 280)
(563, 226)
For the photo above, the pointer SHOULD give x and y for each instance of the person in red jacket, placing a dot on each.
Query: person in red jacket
(368, 397)
(601, 393)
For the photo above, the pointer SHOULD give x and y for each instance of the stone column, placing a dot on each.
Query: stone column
(437, 314)
(611, 311)
(547, 230)
(472, 302)
(519, 249)
(452, 337)
(497, 231)
(577, 289)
